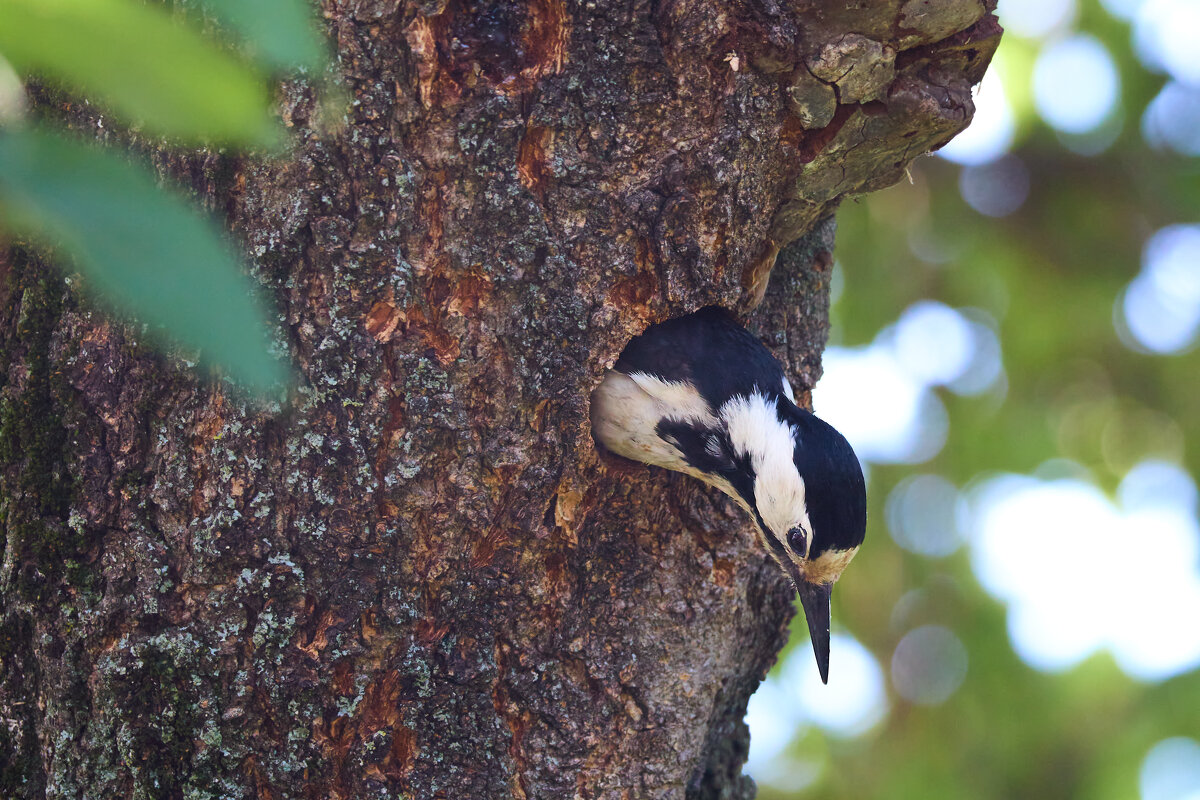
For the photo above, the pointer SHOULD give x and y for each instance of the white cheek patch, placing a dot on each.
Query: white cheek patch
(756, 430)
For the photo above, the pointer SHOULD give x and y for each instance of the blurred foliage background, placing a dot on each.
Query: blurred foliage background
(1013, 355)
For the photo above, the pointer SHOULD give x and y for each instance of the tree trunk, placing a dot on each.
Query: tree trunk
(418, 577)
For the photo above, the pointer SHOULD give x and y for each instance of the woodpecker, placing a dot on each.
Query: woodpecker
(701, 395)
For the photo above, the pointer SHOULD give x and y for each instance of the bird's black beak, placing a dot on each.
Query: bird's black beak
(815, 599)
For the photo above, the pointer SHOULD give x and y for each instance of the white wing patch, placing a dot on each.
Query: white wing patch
(678, 401)
(626, 410)
(755, 429)
(787, 390)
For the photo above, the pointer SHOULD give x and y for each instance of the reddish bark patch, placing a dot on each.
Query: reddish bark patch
(511, 46)
(546, 39)
(380, 709)
(432, 208)
(343, 677)
(445, 348)
(383, 319)
(823, 261)
(568, 502)
(319, 639)
(430, 631)
(399, 760)
(558, 578)
(722, 572)
(468, 293)
(262, 788)
(633, 294)
(532, 165)
(335, 737)
(393, 428)
(516, 720)
(486, 547)
(633, 291)
(380, 706)
(420, 36)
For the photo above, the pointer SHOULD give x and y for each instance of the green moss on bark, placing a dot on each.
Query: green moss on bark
(21, 774)
(36, 486)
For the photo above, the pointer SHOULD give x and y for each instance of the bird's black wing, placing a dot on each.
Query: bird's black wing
(708, 349)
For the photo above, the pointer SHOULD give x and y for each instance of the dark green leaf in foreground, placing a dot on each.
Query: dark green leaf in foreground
(281, 33)
(141, 63)
(144, 249)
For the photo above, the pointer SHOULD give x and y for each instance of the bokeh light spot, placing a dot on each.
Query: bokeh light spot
(986, 369)
(1171, 770)
(1172, 119)
(1122, 9)
(1157, 484)
(933, 342)
(12, 94)
(1166, 36)
(928, 665)
(1161, 306)
(1159, 323)
(1172, 257)
(886, 414)
(1035, 18)
(995, 189)
(853, 701)
(930, 245)
(879, 396)
(773, 719)
(1075, 84)
(922, 515)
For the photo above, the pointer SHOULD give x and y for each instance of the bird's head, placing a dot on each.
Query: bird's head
(804, 486)
(796, 476)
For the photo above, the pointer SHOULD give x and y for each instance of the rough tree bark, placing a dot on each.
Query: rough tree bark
(418, 578)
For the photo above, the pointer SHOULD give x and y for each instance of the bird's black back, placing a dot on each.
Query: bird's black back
(708, 349)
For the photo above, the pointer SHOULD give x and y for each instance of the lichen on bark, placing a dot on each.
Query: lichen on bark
(418, 577)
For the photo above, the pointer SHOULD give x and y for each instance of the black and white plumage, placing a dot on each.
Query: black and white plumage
(699, 394)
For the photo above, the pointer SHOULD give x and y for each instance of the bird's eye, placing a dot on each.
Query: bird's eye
(798, 540)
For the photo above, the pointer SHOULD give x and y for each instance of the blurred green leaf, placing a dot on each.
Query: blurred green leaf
(281, 33)
(143, 248)
(142, 63)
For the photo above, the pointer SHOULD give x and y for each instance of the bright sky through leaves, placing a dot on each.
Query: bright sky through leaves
(1075, 84)
(1090, 587)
